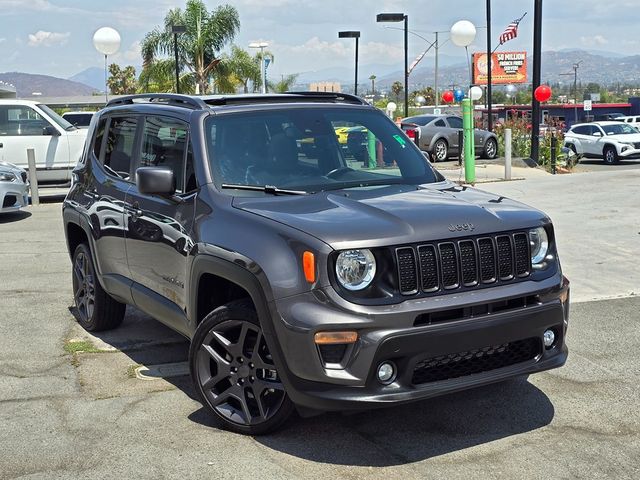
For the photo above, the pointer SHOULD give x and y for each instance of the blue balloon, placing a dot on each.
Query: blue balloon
(458, 94)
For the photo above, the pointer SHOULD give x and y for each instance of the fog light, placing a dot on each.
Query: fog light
(549, 338)
(386, 373)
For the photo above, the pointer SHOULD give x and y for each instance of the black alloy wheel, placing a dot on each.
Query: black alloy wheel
(96, 309)
(234, 372)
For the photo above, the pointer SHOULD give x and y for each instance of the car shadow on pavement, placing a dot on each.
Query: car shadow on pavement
(11, 217)
(599, 161)
(417, 431)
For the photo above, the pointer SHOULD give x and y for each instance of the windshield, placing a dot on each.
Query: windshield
(421, 120)
(619, 129)
(313, 149)
(56, 118)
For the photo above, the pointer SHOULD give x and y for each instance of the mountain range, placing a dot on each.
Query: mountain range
(605, 68)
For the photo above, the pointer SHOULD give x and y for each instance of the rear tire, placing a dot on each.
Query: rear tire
(234, 374)
(97, 310)
(610, 155)
(440, 151)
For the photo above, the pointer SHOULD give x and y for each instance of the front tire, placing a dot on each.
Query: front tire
(440, 150)
(610, 155)
(234, 373)
(97, 310)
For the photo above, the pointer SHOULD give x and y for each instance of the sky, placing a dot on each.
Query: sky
(54, 37)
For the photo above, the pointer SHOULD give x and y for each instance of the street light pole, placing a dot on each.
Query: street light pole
(401, 17)
(437, 98)
(356, 35)
(262, 46)
(489, 113)
(177, 29)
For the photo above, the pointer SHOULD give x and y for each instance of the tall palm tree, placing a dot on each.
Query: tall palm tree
(245, 68)
(207, 32)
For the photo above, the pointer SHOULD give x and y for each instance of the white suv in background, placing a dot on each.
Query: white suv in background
(58, 144)
(610, 141)
(632, 119)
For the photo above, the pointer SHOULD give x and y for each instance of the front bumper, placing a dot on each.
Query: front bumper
(13, 196)
(388, 334)
(628, 152)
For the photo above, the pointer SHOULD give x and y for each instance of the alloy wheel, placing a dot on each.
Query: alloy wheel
(237, 375)
(441, 151)
(84, 286)
(490, 149)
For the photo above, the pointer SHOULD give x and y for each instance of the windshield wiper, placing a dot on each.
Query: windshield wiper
(265, 188)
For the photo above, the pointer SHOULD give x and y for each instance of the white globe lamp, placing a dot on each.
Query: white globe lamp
(463, 33)
(107, 42)
(475, 93)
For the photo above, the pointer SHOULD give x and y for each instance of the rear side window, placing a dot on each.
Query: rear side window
(119, 146)
(440, 123)
(99, 136)
(20, 120)
(581, 130)
(454, 122)
(164, 144)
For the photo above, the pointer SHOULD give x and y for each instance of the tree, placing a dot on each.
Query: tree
(284, 85)
(207, 32)
(160, 76)
(397, 89)
(122, 81)
(428, 93)
(245, 68)
(373, 84)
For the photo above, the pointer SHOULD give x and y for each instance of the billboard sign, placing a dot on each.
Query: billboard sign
(506, 67)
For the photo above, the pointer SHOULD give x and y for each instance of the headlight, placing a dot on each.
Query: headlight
(539, 242)
(355, 269)
(7, 177)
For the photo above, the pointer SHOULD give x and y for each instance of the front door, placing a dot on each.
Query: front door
(159, 229)
(21, 128)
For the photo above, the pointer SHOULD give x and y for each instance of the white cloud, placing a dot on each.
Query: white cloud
(2, 40)
(596, 40)
(47, 39)
(132, 55)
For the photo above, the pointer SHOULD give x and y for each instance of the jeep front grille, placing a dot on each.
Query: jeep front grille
(468, 263)
(479, 360)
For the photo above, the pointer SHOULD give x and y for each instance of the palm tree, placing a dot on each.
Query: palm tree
(396, 89)
(207, 32)
(373, 84)
(159, 76)
(245, 68)
(284, 85)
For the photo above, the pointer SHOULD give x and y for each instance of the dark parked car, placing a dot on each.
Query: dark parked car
(438, 135)
(78, 119)
(306, 283)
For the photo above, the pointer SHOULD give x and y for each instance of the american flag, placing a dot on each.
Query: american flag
(511, 31)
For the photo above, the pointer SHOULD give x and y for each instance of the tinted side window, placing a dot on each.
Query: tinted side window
(164, 144)
(99, 136)
(582, 130)
(19, 120)
(440, 123)
(454, 122)
(120, 145)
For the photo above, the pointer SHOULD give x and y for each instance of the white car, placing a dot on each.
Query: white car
(58, 144)
(14, 188)
(632, 120)
(610, 141)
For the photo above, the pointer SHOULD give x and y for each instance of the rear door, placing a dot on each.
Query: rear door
(159, 228)
(455, 126)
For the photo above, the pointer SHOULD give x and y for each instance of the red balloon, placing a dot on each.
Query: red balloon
(542, 93)
(447, 96)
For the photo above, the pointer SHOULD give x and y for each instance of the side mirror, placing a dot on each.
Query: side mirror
(50, 131)
(155, 180)
(597, 134)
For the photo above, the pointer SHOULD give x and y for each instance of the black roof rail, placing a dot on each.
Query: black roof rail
(339, 97)
(283, 98)
(168, 98)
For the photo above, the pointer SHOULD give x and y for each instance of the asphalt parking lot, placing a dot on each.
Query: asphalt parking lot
(89, 415)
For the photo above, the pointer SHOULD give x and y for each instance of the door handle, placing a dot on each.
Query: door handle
(1, 145)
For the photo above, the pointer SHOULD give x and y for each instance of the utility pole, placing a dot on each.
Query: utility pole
(575, 88)
(537, 60)
(437, 99)
(489, 113)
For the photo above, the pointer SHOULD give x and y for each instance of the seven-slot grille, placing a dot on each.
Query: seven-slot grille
(471, 262)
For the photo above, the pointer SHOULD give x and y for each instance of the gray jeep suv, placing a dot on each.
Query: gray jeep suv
(309, 273)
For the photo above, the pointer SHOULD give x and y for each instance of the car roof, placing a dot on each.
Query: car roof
(15, 101)
(603, 123)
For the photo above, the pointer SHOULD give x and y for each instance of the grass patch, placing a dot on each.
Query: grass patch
(131, 370)
(80, 346)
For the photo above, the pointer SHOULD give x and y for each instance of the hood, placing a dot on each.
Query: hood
(626, 137)
(10, 167)
(396, 214)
